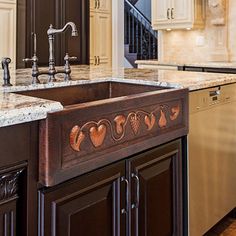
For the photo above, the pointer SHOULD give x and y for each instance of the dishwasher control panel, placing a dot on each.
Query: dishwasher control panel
(206, 98)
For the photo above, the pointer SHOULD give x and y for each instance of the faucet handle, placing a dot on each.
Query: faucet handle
(6, 73)
(67, 60)
(35, 69)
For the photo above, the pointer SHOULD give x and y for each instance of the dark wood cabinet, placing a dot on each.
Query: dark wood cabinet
(156, 187)
(18, 180)
(89, 205)
(142, 195)
(139, 196)
(11, 199)
(35, 16)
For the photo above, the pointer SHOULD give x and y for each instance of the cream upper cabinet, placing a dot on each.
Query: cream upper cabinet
(8, 30)
(103, 36)
(177, 14)
(100, 32)
(92, 37)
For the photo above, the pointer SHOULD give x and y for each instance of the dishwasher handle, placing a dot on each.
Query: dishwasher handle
(214, 93)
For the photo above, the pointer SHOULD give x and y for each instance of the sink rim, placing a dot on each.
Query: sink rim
(163, 89)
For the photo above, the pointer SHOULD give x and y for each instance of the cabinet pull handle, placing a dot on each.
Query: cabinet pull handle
(126, 209)
(136, 204)
(95, 60)
(168, 13)
(99, 60)
(98, 4)
(172, 13)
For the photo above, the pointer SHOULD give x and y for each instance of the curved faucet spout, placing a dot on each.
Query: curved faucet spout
(51, 32)
(74, 32)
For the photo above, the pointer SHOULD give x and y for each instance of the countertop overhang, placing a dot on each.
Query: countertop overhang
(155, 62)
(16, 109)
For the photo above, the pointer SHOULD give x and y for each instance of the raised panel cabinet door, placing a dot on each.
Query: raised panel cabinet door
(11, 213)
(182, 11)
(161, 12)
(104, 6)
(93, 37)
(8, 30)
(157, 192)
(103, 39)
(89, 205)
(92, 5)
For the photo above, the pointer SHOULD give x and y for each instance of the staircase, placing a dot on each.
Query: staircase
(140, 39)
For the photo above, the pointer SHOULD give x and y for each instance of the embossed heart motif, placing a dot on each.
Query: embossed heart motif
(97, 135)
(162, 121)
(135, 123)
(175, 112)
(120, 121)
(76, 138)
(150, 121)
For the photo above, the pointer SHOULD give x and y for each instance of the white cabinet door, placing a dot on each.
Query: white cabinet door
(104, 38)
(8, 30)
(92, 37)
(161, 12)
(101, 33)
(92, 5)
(181, 11)
(104, 6)
(177, 14)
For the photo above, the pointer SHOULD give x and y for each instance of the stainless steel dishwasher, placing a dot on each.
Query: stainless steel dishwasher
(212, 157)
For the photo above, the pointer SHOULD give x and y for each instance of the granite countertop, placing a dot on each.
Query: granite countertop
(227, 65)
(16, 109)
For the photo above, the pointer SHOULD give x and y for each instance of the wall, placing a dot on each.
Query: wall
(117, 33)
(213, 43)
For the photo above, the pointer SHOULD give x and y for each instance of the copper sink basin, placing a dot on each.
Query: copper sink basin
(83, 93)
(105, 122)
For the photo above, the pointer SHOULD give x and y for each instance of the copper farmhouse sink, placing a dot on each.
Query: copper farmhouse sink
(105, 122)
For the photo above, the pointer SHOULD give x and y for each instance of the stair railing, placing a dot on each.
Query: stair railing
(139, 35)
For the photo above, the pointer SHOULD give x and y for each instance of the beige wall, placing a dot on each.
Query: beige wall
(219, 41)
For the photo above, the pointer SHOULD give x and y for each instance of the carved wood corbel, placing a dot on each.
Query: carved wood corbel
(9, 185)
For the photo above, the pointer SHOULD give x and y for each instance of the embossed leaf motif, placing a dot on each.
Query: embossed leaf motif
(162, 121)
(120, 121)
(135, 123)
(175, 112)
(76, 138)
(150, 121)
(98, 134)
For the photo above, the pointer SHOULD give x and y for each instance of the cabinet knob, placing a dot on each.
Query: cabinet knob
(126, 209)
(168, 13)
(172, 13)
(136, 204)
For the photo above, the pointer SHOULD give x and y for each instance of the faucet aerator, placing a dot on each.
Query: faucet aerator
(75, 33)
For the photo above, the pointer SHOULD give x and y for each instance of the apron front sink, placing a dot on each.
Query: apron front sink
(105, 122)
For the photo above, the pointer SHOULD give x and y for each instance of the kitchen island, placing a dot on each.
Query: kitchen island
(17, 109)
(119, 184)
